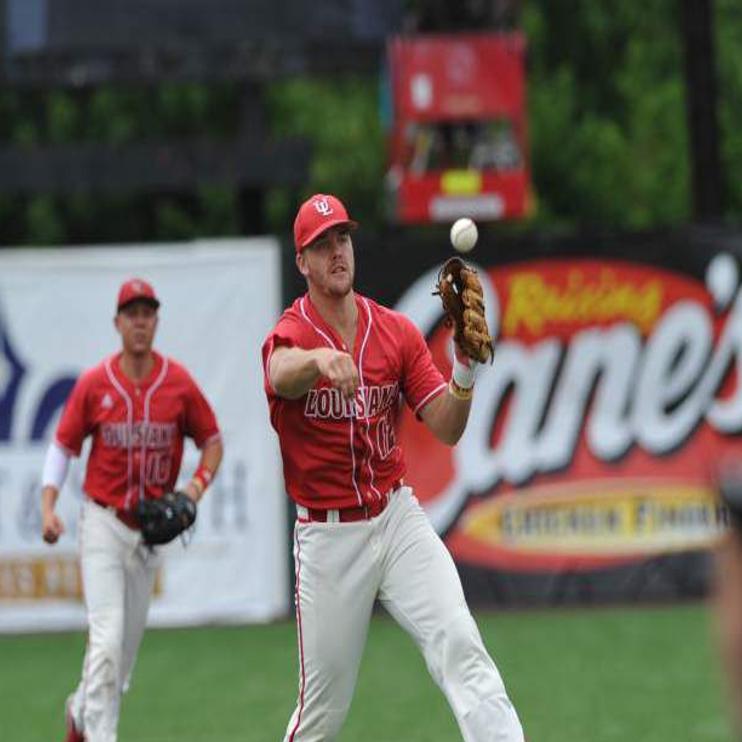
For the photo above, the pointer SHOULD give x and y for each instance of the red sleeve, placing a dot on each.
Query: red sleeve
(421, 379)
(75, 426)
(287, 333)
(201, 422)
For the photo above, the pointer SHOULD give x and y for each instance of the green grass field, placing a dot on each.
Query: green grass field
(629, 675)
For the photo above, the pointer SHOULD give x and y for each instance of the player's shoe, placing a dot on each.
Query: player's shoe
(73, 734)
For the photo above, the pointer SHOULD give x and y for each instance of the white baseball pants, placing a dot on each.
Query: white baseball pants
(118, 573)
(341, 568)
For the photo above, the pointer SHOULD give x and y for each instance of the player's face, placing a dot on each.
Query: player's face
(136, 323)
(328, 263)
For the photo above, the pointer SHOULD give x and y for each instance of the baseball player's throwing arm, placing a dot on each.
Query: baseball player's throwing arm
(294, 371)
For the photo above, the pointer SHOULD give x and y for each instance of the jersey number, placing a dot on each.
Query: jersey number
(157, 468)
(386, 439)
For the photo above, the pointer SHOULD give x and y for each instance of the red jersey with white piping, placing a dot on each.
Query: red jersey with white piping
(137, 428)
(340, 453)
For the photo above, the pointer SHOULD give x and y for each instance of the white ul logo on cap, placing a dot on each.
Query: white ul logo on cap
(323, 206)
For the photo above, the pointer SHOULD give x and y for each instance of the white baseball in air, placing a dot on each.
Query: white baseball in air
(722, 279)
(464, 234)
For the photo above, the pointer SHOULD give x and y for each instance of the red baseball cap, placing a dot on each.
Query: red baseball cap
(316, 215)
(135, 289)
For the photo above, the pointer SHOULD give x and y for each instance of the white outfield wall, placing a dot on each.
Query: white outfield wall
(219, 300)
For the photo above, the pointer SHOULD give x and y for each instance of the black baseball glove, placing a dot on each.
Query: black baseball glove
(166, 517)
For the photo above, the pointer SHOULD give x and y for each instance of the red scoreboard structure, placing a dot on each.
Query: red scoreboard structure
(458, 132)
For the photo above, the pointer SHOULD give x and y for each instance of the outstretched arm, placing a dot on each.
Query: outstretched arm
(294, 371)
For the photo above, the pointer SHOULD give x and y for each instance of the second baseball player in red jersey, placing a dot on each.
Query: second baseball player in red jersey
(137, 428)
(138, 407)
(336, 366)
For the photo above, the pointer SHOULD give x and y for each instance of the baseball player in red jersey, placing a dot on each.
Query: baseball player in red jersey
(336, 365)
(138, 406)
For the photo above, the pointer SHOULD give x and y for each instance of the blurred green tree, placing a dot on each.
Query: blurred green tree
(729, 63)
(606, 110)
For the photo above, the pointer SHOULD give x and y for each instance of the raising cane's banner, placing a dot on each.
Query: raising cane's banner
(586, 470)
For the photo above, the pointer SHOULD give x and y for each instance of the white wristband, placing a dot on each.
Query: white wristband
(463, 375)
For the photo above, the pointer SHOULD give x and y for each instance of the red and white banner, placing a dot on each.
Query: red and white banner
(594, 435)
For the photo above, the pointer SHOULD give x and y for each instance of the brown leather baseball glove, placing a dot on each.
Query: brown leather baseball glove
(463, 302)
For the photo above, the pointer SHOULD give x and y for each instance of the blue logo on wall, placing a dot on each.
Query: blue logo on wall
(12, 373)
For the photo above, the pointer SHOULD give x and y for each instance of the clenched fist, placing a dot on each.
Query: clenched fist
(339, 369)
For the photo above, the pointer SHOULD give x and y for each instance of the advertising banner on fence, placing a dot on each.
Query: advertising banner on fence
(587, 467)
(56, 319)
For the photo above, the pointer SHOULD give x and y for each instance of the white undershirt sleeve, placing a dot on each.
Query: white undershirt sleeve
(56, 464)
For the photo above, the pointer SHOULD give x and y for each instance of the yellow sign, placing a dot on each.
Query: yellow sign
(45, 578)
(461, 182)
(601, 518)
(34, 578)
